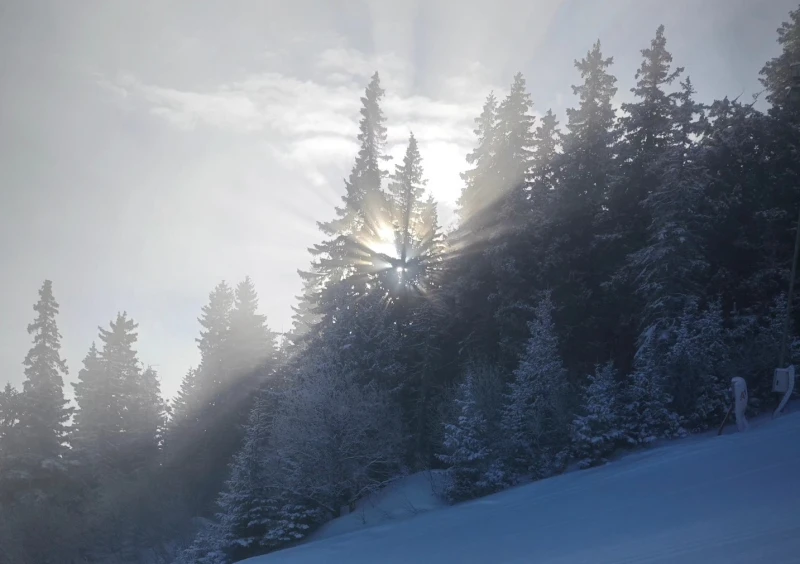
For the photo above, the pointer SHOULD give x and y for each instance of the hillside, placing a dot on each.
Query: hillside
(732, 499)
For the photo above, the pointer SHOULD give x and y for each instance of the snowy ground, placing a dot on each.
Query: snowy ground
(730, 499)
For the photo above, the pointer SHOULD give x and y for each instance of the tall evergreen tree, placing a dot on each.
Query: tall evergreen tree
(776, 74)
(470, 442)
(670, 266)
(252, 344)
(576, 253)
(480, 182)
(98, 419)
(535, 415)
(43, 410)
(364, 212)
(599, 427)
(9, 417)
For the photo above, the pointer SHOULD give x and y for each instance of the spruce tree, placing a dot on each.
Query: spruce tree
(43, 410)
(648, 414)
(535, 415)
(252, 344)
(480, 182)
(121, 442)
(577, 255)
(98, 419)
(670, 267)
(474, 463)
(364, 212)
(599, 428)
(776, 74)
(9, 417)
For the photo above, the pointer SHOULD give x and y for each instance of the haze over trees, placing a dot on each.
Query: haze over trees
(611, 270)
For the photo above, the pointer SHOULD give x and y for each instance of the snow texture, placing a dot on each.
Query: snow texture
(402, 499)
(732, 499)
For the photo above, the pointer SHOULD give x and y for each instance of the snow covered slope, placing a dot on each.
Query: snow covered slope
(403, 499)
(731, 499)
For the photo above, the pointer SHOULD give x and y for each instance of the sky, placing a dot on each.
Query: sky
(150, 149)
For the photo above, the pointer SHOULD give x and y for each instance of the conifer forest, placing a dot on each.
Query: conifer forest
(611, 269)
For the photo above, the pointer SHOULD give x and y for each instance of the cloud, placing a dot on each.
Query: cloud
(311, 123)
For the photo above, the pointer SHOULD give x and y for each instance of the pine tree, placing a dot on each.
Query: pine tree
(336, 437)
(214, 343)
(124, 442)
(9, 417)
(473, 462)
(698, 366)
(480, 182)
(514, 153)
(535, 415)
(542, 177)
(776, 74)
(98, 419)
(365, 208)
(304, 314)
(43, 410)
(599, 429)
(183, 405)
(252, 344)
(648, 413)
(578, 258)
(671, 265)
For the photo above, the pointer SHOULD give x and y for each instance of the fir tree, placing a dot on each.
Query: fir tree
(577, 257)
(670, 266)
(776, 74)
(98, 419)
(252, 344)
(535, 418)
(599, 428)
(9, 417)
(515, 142)
(364, 208)
(43, 410)
(480, 182)
(183, 406)
(214, 344)
(470, 440)
(648, 413)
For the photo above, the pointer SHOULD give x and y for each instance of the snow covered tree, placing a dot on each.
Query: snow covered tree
(336, 437)
(599, 429)
(648, 413)
(470, 439)
(43, 411)
(254, 514)
(536, 416)
(670, 266)
(698, 366)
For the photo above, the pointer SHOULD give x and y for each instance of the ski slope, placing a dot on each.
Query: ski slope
(730, 499)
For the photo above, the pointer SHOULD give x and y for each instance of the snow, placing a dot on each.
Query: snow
(404, 498)
(732, 499)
